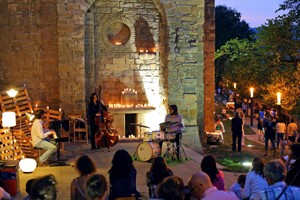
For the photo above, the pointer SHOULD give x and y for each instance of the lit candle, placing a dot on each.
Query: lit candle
(47, 107)
(118, 43)
(123, 136)
(141, 51)
(36, 105)
(59, 109)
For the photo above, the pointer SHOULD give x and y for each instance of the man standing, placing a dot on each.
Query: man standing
(237, 131)
(275, 173)
(200, 187)
(292, 131)
(39, 137)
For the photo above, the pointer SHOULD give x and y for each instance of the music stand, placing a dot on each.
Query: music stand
(60, 162)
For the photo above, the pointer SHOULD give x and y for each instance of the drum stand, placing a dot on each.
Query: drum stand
(171, 151)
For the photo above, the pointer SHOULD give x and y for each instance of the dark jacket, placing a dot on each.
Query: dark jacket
(236, 126)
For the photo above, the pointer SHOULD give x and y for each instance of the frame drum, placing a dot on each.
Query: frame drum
(148, 150)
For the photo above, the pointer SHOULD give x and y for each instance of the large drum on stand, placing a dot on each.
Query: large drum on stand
(148, 150)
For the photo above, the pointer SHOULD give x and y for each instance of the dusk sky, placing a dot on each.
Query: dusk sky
(254, 12)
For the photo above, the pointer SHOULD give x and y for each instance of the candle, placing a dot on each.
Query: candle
(47, 107)
(59, 109)
(118, 43)
(36, 105)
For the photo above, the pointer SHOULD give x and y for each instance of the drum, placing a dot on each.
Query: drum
(147, 137)
(148, 150)
(158, 135)
(170, 136)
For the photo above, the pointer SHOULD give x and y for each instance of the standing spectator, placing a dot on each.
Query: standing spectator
(292, 131)
(255, 180)
(171, 188)
(280, 131)
(44, 188)
(242, 115)
(122, 176)
(275, 172)
(200, 187)
(219, 127)
(209, 166)
(96, 187)
(260, 131)
(261, 114)
(269, 126)
(85, 166)
(238, 187)
(157, 173)
(293, 175)
(245, 106)
(237, 131)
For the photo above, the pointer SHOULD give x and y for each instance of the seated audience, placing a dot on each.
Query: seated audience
(209, 166)
(171, 188)
(122, 176)
(157, 173)
(255, 180)
(293, 175)
(28, 186)
(275, 173)
(201, 187)
(85, 166)
(238, 187)
(96, 187)
(43, 188)
(4, 195)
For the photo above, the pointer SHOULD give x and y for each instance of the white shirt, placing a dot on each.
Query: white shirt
(37, 132)
(213, 193)
(254, 184)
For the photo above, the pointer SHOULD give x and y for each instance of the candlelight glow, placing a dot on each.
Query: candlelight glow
(278, 98)
(251, 92)
(12, 93)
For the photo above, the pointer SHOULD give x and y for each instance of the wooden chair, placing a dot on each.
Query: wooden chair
(78, 127)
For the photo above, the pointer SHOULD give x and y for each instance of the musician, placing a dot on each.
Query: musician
(95, 109)
(177, 128)
(39, 137)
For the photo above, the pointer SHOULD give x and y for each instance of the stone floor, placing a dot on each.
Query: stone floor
(65, 174)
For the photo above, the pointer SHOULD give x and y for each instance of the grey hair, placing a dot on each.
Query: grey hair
(275, 170)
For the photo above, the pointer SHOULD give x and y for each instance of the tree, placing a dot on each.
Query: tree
(230, 26)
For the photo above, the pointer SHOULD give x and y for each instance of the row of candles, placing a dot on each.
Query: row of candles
(48, 107)
(130, 136)
(117, 105)
(129, 91)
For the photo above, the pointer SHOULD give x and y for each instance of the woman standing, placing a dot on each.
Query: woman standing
(122, 176)
(157, 173)
(95, 109)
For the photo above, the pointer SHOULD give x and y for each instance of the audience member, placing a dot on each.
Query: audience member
(255, 180)
(275, 173)
(219, 127)
(292, 131)
(200, 187)
(122, 176)
(238, 186)
(260, 131)
(85, 166)
(28, 186)
(43, 188)
(280, 131)
(209, 166)
(237, 131)
(293, 175)
(269, 126)
(96, 187)
(4, 195)
(157, 173)
(171, 188)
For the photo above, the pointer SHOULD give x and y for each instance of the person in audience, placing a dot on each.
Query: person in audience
(219, 127)
(157, 173)
(122, 176)
(96, 187)
(238, 186)
(3, 194)
(280, 131)
(44, 188)
(237, 131)
(293, 175)
(209, 166)
(260, 131)
(201, 187)
(39, 137)
(28, 186)
(171, 188)
(292, 131)
(85, 166)
(275, 173)
(255, 180)
(269, 126)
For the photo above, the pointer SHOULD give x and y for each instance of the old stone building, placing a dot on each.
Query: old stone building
(146, 54)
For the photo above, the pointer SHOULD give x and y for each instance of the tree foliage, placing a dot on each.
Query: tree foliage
(230, 26)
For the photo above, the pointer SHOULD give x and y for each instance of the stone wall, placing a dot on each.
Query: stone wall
(57, 48)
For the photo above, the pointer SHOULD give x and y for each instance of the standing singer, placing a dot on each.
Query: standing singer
(95, 109)
(176, 128)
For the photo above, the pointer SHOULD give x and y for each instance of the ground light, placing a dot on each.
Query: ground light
(247, 164)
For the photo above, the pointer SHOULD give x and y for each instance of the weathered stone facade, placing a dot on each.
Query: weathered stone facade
(59, 49)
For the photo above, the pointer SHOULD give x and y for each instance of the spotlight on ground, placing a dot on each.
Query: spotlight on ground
(247, 164)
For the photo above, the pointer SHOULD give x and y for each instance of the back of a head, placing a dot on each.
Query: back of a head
(242, 179)
(29, 183)
(258, 165)
(38, 113)
(209, 166)
(201, 181)
(96, 187)
(171, 188)
(275, 171)
(122, 164)
(43, 188)
(85, 165)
